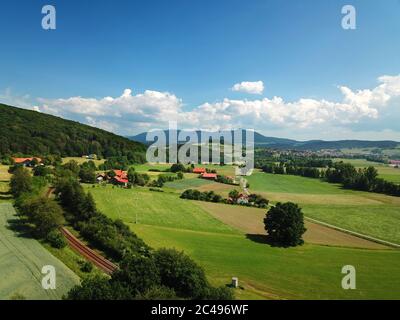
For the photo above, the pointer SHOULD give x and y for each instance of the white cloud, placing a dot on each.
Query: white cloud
(255, 87)
(366, 110)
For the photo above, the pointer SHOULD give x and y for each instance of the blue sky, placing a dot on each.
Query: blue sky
(181, 60)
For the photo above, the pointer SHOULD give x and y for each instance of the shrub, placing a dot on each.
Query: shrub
(56, 239)
(86, 266)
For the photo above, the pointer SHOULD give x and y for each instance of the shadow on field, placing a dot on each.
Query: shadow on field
(5, 195)
(262, 238)
(20, 227)
(259, 238)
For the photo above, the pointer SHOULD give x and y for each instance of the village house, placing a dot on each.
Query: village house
(394, 163)
(210, 176)
(27, 162)
(243, 199)
(199, 170)
(120, 178)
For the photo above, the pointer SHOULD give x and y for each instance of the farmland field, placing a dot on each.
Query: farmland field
(21, 262)
(81, 160)
(306, 272)
(155, 208)
(372, 214)
(4, 175)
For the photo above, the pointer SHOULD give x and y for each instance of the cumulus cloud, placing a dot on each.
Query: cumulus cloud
(131, 113)
(255, 87)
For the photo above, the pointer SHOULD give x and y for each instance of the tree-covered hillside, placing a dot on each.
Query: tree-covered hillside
(28, 132)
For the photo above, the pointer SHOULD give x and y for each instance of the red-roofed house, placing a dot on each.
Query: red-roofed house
(211, 176)
(199, 170)
(394, 163)
(121, 178)
(27, 162)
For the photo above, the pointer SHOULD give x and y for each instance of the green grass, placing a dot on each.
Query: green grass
(5, 196)
(307, 272)
(188, 183)
(380, 221)
(368, 213)
(266, 182)
(155, 208)
(21, 262)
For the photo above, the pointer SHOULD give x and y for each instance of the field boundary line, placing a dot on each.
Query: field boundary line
(360, 235)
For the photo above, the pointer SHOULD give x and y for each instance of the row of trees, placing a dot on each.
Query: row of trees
(310, 172)
(113, 237)
(42, 215)
(253, 200)
(365, 179)
(164, 274)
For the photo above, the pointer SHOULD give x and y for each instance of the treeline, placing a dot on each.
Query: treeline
(365, 179)
(40, 215)
(252, 200)
(112, 237)
(31, 133)
(165, 274)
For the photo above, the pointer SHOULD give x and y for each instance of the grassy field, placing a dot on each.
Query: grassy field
(4, 175)
(191, 183)
(81, 160)
(372, 214)
(307, 272)
(250, 221)
(260, 181)
(264, 272)
(21, 262)
(155, 208)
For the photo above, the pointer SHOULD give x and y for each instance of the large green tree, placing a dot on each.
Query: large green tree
(20, 182)
(284, 224)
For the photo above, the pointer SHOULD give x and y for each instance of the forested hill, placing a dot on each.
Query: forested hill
(28, 132)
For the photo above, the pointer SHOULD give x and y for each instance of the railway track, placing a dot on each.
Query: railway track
(98, 260)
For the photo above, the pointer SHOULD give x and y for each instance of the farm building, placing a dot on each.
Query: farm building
(243, 199)
(199, 170)
(27, 162)
(101, 177)
(211, 176)
(120, 178)
(394, 163)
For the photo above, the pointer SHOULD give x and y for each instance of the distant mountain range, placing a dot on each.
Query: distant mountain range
(312, 145)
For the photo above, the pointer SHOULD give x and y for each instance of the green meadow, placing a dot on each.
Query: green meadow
(154, 208)
(372, 214)
(265, 272)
